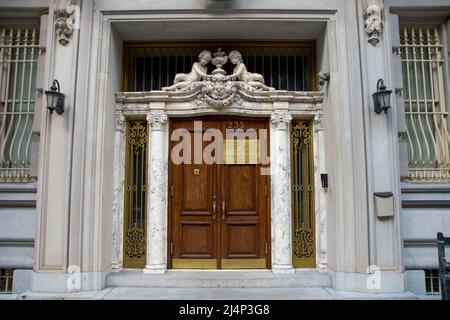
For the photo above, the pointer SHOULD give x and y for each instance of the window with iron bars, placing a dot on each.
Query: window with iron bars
(6, 281)
(285, 65)
(432, 283)
(426, 110)
(19, 52)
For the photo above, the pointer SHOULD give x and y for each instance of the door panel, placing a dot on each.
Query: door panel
(242, 239)
(218, 213)
(196, 239)
(193, 224)
(197, 191)
(242, 178)
(244, 211)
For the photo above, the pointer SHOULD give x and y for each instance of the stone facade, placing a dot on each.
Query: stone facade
(79, 205)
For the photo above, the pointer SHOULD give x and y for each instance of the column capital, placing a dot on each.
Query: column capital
(281, 120)
(318, 123)
(120, 122)
(157, 120)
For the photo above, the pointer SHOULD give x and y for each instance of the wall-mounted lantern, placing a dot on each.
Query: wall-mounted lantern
(324, 180)
(55, 99)
(382, 98)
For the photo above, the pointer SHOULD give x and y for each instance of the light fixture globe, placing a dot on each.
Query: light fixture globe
(382, 98)
(55, 99)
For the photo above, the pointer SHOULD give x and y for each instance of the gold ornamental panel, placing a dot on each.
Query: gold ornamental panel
(135, 214)
(302, 164)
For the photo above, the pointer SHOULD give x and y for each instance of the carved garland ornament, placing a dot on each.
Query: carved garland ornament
(373, 23)
(65, 15)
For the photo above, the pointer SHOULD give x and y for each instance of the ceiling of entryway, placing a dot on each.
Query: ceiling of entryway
(219, 29)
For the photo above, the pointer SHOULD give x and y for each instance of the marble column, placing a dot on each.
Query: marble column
(157, 194)
(118, 189)
(320, 194)
(280, 170)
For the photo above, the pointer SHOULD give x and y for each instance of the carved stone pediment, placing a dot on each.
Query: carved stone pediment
(218, 90)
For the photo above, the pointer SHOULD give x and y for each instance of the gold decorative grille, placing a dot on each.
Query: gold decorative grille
(426, 111)
(135, 217)
(302, 162)
(19, 53)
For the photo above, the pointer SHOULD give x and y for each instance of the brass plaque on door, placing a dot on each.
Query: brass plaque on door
(240, 151)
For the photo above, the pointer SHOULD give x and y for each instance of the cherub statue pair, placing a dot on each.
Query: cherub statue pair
(199, 72)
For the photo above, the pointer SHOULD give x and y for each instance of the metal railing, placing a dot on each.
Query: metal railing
(426, 111)
(19, 52)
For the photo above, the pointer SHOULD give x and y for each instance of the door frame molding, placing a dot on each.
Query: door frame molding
(280, 106)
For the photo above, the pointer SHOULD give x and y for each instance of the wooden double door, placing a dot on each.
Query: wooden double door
(219, 210)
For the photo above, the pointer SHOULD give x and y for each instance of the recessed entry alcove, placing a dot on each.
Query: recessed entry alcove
(288, 54)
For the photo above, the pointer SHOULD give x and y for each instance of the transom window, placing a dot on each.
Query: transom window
(285, 65)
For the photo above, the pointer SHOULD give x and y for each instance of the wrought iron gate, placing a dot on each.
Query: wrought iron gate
(302, 161)
(135, 216)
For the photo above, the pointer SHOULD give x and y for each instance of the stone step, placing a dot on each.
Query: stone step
(219, 279)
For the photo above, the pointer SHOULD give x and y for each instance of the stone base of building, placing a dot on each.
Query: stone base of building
(388, 282)
(378, 282)
(69, 282)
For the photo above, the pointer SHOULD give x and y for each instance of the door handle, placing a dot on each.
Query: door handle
(223, 210)
(214, 206)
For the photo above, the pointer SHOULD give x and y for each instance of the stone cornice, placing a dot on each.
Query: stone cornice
(147, 97)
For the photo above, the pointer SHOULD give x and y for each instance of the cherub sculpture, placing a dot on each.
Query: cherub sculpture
(240, 72)
(198, 72)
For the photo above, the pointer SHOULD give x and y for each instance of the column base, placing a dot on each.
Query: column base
(155, 268)
(283, 268)
(322, 267)
(116, 267)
